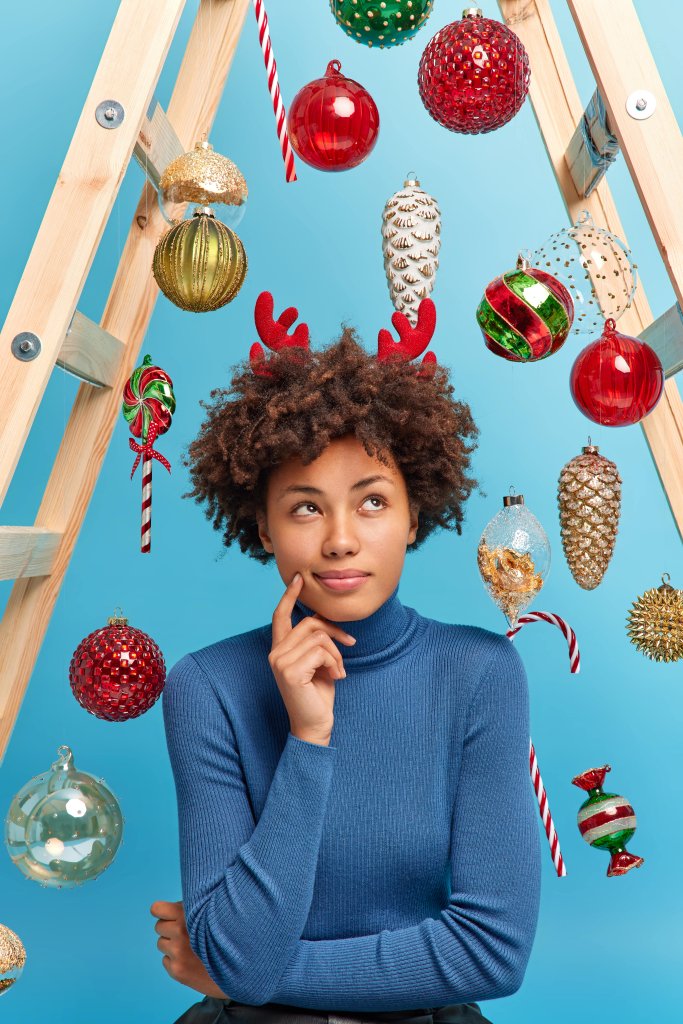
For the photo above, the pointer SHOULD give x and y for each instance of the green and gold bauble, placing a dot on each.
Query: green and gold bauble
(381, 22)
(12, 958)
(200, 264)
(655, 622)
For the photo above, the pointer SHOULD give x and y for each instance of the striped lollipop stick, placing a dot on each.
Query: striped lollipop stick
(148, 407)
(539, 788)
(274, 89)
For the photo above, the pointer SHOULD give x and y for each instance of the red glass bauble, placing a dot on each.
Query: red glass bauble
(117, 672)
(617, 379)
(474, 74)
(333, 122)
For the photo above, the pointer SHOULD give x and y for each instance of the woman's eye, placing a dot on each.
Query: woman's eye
(309, 504)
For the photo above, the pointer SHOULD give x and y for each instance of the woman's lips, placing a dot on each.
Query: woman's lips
(350, 583)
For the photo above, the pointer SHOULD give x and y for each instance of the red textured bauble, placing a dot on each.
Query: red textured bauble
(333, 122)
(617, 379)
(117, 672)
(474, 74)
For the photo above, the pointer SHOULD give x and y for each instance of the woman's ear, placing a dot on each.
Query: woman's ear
(414, 523)
(263, 532)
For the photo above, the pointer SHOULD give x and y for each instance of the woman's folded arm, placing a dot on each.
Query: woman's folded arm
(479, 946)
(247, 887)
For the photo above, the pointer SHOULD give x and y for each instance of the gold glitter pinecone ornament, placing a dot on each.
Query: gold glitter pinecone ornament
(12, 958)
(411, 229)
(200, 264)
(589, 499)
(655, 622)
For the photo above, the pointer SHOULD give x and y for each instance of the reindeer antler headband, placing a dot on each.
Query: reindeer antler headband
(274, 333)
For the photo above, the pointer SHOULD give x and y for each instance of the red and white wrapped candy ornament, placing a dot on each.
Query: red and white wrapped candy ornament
(539, 788)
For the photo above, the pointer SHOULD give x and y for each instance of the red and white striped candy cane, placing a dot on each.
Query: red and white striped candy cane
(274, 88)
(539, 788)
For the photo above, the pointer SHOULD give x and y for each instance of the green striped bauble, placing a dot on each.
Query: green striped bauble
(381, 22)
(525, 314)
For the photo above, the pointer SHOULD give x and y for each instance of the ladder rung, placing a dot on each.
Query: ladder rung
(90, 353)
(157, 143)
(27, 551)
(665, 336)
(593, 147)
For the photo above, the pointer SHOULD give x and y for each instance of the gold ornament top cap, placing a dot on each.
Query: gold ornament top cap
(411, 179)
(512, 499)
(473, 12)
(118, 618)
(590, 449)
(203, 176)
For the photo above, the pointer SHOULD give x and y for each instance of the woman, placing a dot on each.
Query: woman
(367, 848)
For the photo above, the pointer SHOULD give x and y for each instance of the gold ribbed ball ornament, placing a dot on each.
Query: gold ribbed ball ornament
(589, 500)
(12, 958)
(203, 176)
(200, 264)
(655, 622)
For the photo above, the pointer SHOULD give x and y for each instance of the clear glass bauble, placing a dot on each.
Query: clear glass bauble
(64, 827)
(12, 958)
(513, 558)
(596, 268)
(231, 214)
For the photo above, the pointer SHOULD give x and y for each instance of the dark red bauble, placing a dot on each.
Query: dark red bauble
(617, 379)
(333, 122)
(117, 672)
(474, 74)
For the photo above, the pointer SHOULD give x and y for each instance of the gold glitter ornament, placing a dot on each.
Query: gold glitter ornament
(655, 622)
(12, 958)
(200, 264)
(203, 176)
(589, 500)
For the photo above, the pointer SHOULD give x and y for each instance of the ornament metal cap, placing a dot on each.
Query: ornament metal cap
(512, 499)
(411, 179)
(118, 618)
(473, 12)
(203, 211)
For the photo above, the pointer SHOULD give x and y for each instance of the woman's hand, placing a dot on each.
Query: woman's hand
(305, 662)
(180, 961)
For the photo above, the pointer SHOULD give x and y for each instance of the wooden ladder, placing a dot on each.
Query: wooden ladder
(38, 336)
(104, 355)
(622, 63)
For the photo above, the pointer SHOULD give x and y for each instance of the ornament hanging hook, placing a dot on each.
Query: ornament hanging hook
(665, 577)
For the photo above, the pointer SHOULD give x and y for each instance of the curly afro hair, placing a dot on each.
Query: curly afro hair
(259, 421)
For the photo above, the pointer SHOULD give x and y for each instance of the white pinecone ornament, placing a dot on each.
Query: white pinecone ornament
(589, 498)
(411, 229)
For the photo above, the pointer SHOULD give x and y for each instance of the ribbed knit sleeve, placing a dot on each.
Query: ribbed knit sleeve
(479, 946)
(247, 886)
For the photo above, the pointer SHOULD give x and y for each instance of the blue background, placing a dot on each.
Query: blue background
(603, 946)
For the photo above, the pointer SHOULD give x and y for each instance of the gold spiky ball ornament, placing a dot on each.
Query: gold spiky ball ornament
(655, 622)
(589, 500)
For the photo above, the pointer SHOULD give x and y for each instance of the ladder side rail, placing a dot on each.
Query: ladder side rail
(558, 110)
(192, 109)
(77, 213)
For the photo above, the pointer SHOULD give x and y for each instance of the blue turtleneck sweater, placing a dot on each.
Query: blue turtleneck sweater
(398, 867)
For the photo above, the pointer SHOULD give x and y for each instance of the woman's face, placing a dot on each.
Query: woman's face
(329, 516)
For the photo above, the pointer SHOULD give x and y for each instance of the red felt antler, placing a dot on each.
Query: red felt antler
(274, 332)
(413, 340)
